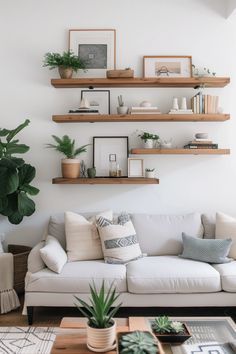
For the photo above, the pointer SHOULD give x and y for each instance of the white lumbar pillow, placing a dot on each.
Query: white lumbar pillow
(226, 228)
(53, 254)
(82, 238)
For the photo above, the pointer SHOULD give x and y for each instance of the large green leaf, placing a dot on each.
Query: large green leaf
(13, 148)
(11, 163)
(15, 218)
(29, 189)
(13, 132)
(26, 174)
(4, 132)
(9, 181)
(26, 206)
(3, 203)
(12, 204)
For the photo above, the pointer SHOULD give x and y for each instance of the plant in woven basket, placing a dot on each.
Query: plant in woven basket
(163, 325)
(138, 342)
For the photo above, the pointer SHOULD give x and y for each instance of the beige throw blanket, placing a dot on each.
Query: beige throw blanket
(8, 297)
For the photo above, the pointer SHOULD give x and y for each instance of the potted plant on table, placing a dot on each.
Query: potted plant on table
(149, 139)
(168, 331)
(70, 165)
(101, 326)
(67, 63)
(137, 342)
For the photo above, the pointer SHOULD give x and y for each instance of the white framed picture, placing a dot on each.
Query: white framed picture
(97, 47)
(110, 149)
(167, 66)
(98, 99)
(135, 167)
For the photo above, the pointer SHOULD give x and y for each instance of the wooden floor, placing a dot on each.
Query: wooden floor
(52, 316)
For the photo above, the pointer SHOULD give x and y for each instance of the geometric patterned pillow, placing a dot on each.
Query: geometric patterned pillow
(119, 241)
(206, 250)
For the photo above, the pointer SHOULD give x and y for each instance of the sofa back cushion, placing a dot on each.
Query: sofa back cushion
(162, 234)
(209, 225)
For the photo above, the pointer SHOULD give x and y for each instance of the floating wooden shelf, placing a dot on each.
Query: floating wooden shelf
(99, 118)
(181, 151)
(105, 180)
(142, 82)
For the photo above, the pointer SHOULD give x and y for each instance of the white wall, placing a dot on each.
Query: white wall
(30, 28)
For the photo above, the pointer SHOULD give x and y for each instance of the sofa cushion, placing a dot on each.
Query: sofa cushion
(76, 277)
(53, 254)
(228, 275)
(171, 274)
(162, 234)
(226, 228)
(209, 225)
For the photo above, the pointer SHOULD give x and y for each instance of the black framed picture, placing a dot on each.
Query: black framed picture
(98, 99)
(110, 152)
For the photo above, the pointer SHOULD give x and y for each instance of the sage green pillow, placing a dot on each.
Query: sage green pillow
(204, 250)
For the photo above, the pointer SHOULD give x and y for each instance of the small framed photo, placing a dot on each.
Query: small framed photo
(109, 150)
(135, 167)
(167, 66)
(98, 99)
(97, 47)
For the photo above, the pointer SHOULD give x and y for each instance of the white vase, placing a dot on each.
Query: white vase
(70, 168)
(148, 144)
(101, 338)
(183, 104)
(150, 174)
(122, 110)
(175, 105)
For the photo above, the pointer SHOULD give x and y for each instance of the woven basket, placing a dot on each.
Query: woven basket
(20, 256)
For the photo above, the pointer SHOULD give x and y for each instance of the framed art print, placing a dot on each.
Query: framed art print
(98, 99)
(167, 66)
(108, 149)
(97, 47)
(135, 167)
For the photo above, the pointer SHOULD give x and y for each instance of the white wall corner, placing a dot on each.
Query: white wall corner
(230, 7)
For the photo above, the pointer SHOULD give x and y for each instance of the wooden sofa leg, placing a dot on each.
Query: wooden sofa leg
(30, 313)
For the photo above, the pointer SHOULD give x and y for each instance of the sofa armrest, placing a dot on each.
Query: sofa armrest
(35, 262)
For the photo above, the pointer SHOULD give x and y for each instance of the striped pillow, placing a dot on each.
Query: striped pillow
(119, 241)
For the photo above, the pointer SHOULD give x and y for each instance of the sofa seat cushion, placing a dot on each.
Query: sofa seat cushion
(228, 275)
(171, 274)
(76, 277)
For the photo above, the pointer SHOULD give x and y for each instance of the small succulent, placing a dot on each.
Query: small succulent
(177, 327)
(146, 136)
(120, 101)
(150, 169)
(162, 325)
(138, 343)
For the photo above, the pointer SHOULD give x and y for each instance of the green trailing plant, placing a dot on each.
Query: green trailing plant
(66, 146)
(120, 101)
(146, 136)
(101, 308)
(138, 342)
(163, 325)
(15, 177)
(66, 60)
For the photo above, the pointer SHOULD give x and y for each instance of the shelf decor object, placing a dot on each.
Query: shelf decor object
(135, 167)
(167, 66)
(97, 47)
(180, 151)
(105, 180)
(98, 100)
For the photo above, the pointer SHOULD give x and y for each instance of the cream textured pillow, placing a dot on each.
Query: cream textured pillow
(226, 228)
(53, 254)
(35, 262)
(119, 241)
(82, 238)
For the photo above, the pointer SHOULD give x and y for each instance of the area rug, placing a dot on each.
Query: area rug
(26, 340)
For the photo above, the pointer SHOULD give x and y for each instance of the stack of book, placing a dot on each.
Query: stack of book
(201, 144)
(84, 111)
(144, 110)
(204, 104)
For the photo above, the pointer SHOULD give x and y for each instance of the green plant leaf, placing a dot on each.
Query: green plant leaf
(26, 206)
(15, 131)
(13, 148)
(26, 174)
(4, 132)
(3, 203)
(15, 218)
(29, 189)
(12, 204)
(9, 181)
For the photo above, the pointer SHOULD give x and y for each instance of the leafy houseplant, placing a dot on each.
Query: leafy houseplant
(137, 342)
(67, 63)
(15, 177)
(150, 172)
(148, 139)
(70, 165)
(101, 327)
(170, 331)
(121, 109)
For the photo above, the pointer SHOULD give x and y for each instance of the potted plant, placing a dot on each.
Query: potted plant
(148, 139)
(15, 177)
(168, 331)
(70, 166)
(121, 109)
(137, 342)
(101, 327)
(67, 63)
(150, 172)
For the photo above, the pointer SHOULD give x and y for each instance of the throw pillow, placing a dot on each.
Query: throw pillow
(119, 241)
(82, 238)
(203, 250)
(35, 262)
(225, 228)
(53, 254)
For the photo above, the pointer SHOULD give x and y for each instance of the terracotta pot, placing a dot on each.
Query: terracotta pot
(65, 73)
(70, 168)
(101, 338)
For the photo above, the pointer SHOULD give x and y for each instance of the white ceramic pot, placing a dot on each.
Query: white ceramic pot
(70, 168)
(150, 174)
(122, 110)
(148, 144)
(101, 338)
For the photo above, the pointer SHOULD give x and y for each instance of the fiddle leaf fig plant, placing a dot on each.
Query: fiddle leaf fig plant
(15, 177)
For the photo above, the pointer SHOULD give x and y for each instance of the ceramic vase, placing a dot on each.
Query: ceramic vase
(101, 338)
(91, 172)
(148, 144)
(122, 110)
(70, 168)
(150, 174)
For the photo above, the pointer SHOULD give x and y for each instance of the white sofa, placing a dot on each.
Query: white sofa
(160, 279)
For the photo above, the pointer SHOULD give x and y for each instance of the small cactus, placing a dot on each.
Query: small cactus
(177, 327)
(138, 343)
(162, 325)
(120, 101)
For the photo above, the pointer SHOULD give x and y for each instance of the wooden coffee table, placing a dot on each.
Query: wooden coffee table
(71, 337)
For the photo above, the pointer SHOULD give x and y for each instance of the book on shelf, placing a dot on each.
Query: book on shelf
(84, 111)
(139, 108)
(205, 104)
(201, 142)
(201, 146)
(144, 110)
(181, 111)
